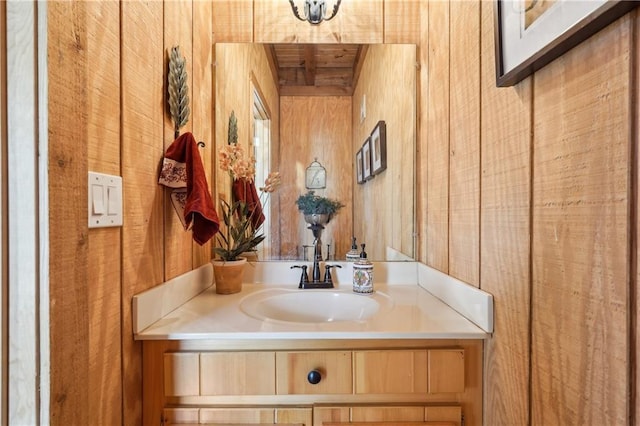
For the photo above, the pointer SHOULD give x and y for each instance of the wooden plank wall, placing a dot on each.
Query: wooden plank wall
(108, 114)
(435, 102)
(105, 244)
(303, 140)
(580, 239)
(383, 206)
(464, 141)
(504, 229)
(547, 222)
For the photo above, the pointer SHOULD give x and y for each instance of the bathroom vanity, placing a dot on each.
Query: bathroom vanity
(274, 354)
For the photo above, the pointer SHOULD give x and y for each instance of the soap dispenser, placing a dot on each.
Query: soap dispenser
(363, 274)
(353, 255)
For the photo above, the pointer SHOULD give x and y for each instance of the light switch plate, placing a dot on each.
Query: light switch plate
(105, 200)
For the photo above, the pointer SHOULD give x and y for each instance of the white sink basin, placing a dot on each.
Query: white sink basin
(312, 306)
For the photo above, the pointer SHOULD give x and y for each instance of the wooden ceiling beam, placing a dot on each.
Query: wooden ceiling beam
(316, 91)
(310, 64)
(359, 60)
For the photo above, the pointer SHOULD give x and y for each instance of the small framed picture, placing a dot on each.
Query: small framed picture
(366, 160)
(379, 148)
(359, 171)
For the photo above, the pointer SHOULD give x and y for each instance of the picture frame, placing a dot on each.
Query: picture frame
(379, 148)
(359, 170)
(530, 34)
(366, 160)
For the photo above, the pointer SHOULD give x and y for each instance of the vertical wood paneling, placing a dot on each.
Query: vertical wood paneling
(504, 251)
(402, 21)
(178, 250)
(143, 63)
(422, 134)
(464, 142)
(69, 304)
(384, 206)
(580, 246)
(302, 141)
(357, 21)
(437, 105)
(202, 102)
(232, 21)
(104, 250)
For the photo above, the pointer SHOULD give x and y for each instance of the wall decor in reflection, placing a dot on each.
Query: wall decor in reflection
(379, 148)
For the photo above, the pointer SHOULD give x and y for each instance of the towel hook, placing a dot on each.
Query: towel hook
(201, 144)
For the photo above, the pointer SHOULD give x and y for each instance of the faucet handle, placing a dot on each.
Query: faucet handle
(327, 272)
(304, 278)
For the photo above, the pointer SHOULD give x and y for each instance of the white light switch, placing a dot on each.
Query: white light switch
(97, 192)
(105, 200)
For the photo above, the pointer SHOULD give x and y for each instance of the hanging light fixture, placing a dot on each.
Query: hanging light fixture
(315, 11)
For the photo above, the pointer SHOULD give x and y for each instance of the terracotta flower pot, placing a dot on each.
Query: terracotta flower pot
(228, 275)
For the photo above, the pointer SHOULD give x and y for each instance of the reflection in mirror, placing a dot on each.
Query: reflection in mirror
(291, 111)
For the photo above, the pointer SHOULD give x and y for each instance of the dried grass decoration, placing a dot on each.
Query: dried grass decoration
(178, 90)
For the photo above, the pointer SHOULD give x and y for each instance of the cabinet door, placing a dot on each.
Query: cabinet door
(293, 368)
(237, 373)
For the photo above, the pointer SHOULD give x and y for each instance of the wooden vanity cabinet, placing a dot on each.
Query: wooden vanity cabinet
(371, 383)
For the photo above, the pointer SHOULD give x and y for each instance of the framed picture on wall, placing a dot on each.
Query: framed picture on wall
(366, 160)
(530, 34)
(379, 148)
(359, 171)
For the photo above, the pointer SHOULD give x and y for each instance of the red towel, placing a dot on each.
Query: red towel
(182, 170)
(244, 190)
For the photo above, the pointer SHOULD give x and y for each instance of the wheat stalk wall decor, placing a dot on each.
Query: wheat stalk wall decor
(178, 90)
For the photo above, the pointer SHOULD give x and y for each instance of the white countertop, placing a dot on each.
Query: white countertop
(412, 313)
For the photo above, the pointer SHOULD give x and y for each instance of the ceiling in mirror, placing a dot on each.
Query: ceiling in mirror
(308, 69)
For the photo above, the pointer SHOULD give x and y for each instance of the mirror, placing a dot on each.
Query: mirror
(297, 104)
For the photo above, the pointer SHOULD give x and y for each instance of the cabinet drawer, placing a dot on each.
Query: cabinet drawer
(388, 415)
(446, 370)
(181, 374)
(238, 416)
(293, 369)
(385, 371)
(237, 373)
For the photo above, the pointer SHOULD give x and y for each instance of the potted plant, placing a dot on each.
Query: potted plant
(317, 209)
(242, 216)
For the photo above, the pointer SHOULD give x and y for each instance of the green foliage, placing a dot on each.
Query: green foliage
(311, 203)
(232, 133)
(239, 236)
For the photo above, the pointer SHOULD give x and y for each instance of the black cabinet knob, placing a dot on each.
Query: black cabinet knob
(314, 377)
